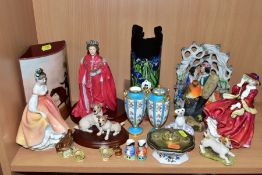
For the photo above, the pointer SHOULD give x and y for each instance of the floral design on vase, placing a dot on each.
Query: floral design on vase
(135, 105)
(158, 107)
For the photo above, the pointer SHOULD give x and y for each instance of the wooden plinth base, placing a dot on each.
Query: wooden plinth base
(91, 140)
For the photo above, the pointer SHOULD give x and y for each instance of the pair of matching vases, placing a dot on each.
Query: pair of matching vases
(137, 102)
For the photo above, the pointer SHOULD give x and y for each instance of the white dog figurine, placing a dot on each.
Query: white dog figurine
(180, 122)
(107, 125)
(91, 119)
(217, 146)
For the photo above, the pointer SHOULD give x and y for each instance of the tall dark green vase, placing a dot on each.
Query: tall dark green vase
(145, 57)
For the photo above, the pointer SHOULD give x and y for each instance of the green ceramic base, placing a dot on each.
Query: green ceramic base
(214, 156)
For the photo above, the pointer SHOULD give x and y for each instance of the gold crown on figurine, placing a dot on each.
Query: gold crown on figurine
(92, 43)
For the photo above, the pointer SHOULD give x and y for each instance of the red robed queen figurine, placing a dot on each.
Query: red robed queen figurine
(235, 114)
(96, 83)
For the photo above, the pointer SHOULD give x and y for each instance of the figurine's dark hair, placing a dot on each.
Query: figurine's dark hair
(39, 74)
(192, 71)
(208, 70)
(92, 43)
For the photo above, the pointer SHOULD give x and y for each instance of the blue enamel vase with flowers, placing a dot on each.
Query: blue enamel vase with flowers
(135, 106)
(158, 105)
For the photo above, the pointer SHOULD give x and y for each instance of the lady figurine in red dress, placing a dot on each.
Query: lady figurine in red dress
(235, 113)
(96, 83)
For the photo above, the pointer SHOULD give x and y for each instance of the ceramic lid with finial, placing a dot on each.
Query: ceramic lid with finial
(160, 91)
(158, 94)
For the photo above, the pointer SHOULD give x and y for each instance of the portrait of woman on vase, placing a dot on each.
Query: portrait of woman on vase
(96, 83)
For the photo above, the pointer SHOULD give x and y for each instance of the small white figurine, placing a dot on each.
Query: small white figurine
(222, 149)
(108, 126)
(180, 122)
(146, 85)
(90, 120)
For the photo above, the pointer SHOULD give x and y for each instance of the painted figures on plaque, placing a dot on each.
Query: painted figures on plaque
(202, 76)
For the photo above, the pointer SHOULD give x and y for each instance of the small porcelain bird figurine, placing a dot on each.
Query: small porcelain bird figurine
(193, 90)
